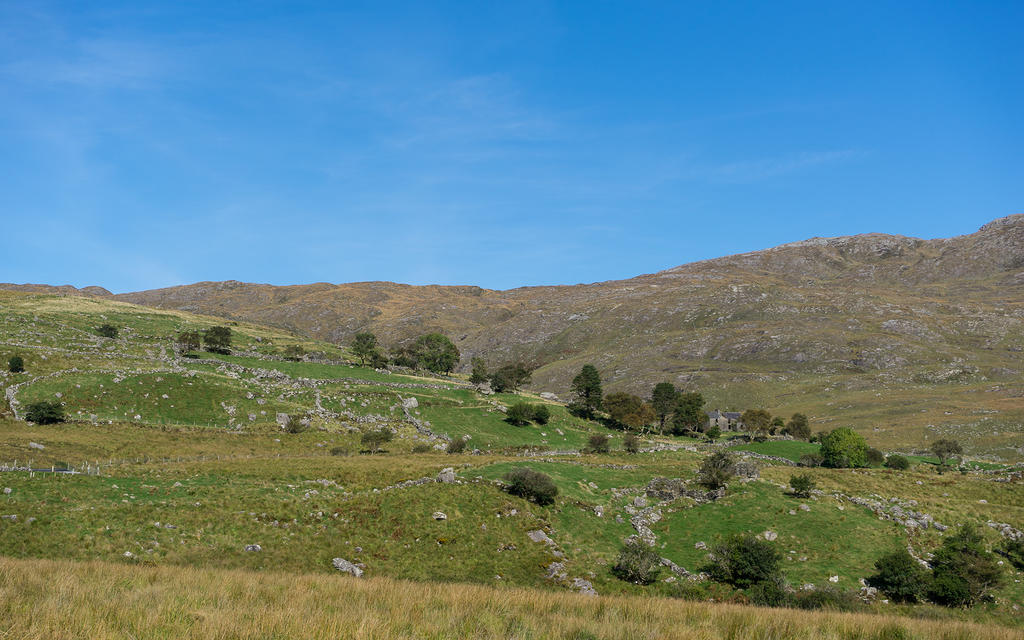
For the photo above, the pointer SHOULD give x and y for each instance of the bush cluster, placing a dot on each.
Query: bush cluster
(637, 563)
(457, 445)
(532, 485)
(716, 470)
(44, 412)
(522, 413)
(16, 364)
(897, 462)
(598, 443)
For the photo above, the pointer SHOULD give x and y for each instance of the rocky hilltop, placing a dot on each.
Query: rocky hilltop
(856, 304)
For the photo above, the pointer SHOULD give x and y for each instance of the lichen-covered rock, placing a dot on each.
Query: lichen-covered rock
(345, 566)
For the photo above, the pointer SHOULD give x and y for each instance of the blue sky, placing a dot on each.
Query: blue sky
(500, 144)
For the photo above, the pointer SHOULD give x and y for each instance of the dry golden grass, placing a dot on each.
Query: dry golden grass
(42, 599)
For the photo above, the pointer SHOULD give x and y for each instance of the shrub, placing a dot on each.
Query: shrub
(218, 340)
(798, 427)
(944, 449)
(374, 440)
(1013, 550)
(716, 470)
(16, 364)
(541, 413)
(457, 445)
(294, 352)
(44, 412)
(811, 460)
(963, 572)
(874, 457)
(713, 433)
(598, 443)
(637, 563)
(743, 561)
(802, 485)
(843, 447)
(770, 593)
(340, 451)
(827, 597)
(897, 462)
(421, 448)
(295, 425)
(631, 443)
(188, 341)
(519, 414)
(107, 331)
(531, 485)
(900, 577)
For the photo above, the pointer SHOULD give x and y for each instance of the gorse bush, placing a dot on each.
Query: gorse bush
(374, 440)
(294, 424)
(421, 448)
(637, 563)
(519, 414)
(44, 412)
(716, 470)
(743, 561)
(900, 577)
(874, 457)
(107, 331)
(16, 364)
(631, 443)
(541, 413)
(802, 485)
(963, 572)
(532, 485)
(457, 445)
(897, 462)
(598, 443)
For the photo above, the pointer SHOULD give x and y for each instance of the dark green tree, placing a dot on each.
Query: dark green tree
(628, 410)
(598, 443)
(364, 345)
(44, 412)
(586, 390)
(519, 414)
(689, 413)
(479, 374)
(900, 577)
(843, 447)
(218, 340)
(897, 462)
(107, 331)
(436, 353)
(945, 449)
(510, 377)
(16, 364)
(798, 427)
(541, 413)
(664, 398)
(963, 572)
(743, 561)
(802, 485)
(189, 341)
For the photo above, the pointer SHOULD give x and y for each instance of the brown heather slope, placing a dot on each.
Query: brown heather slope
(887, 332)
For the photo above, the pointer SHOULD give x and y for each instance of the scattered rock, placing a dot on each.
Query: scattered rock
(345, 566)
(253, 547)
(36, 445)
(7, 491)
(700, 545)
(804, 507)
(770, 536)
(540, 536)
(447, 474)
(599, 511)
(833, 579)
(439, 515)
(583, 586)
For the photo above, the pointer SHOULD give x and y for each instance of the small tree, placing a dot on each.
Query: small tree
(188, 341)
(586, 390)
(218, 340)
(663, 400)
(945, 449)
(716, 470)
(843, 447)
(106, 331)
(963, 572)
(743, 561)
(16, 364)
(1013, 550)
(628, 410)
(519, 414)
(802, 485)
(688, 415)
(637, 563)
(457, 445)
(44, 412)
(541, 413)
(436, 353)
(374, 440)
(531, 485)
(897, 462)
(364, 345)
(777, 425)
(757, 421)
(510, 377)
(479, 374)
(900, 577)
(631, 443)
(798, 427)
(598, 443)
(713, 433)
(811, 460)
